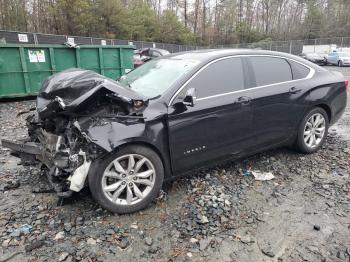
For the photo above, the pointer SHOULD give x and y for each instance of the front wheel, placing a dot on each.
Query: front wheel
(340, 63)
(128, 180)
(312, 131)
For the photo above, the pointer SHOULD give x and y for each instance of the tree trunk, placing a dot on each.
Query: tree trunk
(203, 20)
(196, 7)
(185, 11)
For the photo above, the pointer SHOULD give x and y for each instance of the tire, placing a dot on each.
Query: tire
(303, 143)
(103, 185)
(340, 63)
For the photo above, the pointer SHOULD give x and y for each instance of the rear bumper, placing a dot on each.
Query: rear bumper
(337, 116)
(338, 106)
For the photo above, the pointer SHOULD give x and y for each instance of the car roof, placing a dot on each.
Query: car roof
(205, 55)
(151, 48)
(159, 49)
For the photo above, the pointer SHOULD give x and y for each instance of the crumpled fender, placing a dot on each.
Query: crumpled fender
(110, 133)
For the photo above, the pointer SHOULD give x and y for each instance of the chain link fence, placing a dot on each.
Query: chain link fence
(293, 46)
(15, 37)
(296, 47)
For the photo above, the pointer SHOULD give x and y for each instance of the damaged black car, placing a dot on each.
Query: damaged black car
(172, 115)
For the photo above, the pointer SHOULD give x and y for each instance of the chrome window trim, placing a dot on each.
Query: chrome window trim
(310, 75)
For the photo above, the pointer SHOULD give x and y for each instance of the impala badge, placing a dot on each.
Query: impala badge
(193, 150)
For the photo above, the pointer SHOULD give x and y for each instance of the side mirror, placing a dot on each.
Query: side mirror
(190, 98)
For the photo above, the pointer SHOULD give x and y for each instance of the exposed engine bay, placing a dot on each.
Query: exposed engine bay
(77, 112)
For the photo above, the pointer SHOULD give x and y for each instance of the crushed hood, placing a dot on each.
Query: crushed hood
(72, 87)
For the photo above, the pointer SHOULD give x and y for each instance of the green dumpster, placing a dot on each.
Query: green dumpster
(24, 67)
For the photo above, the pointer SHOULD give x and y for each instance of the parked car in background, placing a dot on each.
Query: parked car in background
(338, 58)
(172, 115)
(143, 55)
(314, 58)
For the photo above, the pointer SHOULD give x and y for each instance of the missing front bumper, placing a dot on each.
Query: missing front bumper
(65, 172)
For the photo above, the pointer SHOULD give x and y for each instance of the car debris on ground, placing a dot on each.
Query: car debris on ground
(262, 176)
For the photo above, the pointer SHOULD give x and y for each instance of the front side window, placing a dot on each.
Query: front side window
(156, 76)
(270, 70)
(220, 77)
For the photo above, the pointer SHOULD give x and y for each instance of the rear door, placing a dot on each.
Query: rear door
(218, 125)
(272, 91)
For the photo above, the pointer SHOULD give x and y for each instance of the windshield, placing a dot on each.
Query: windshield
(155, 77)
(344, 54)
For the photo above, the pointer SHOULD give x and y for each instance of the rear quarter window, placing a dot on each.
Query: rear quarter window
(299, 71)
(270, 70)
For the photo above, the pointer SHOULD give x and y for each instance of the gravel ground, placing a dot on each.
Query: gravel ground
(218, 214)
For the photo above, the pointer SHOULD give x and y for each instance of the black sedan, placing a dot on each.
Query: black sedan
(174, 114)
(314, 58)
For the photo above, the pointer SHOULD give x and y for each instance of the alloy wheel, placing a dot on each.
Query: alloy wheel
(314, 130)
(128, 179)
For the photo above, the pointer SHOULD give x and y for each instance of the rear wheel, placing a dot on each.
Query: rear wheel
(313, 130)
(340, 63)
(128, 180)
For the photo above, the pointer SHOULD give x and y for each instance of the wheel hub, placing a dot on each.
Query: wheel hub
(314, 130)
(128, 179)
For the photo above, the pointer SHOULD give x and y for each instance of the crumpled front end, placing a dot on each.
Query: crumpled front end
(63, 154)
(57, 142)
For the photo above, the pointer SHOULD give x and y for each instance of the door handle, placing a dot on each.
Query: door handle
(294, 90)
(243, 100)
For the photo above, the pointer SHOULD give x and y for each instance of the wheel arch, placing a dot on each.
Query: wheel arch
(326, 108)
(96, 187)
(299, 143)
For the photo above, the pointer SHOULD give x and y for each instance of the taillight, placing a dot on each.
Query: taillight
(346, 83)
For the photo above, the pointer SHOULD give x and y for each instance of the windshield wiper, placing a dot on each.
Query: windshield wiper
(156, 97)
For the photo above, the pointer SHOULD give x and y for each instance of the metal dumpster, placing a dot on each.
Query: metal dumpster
(24, 67)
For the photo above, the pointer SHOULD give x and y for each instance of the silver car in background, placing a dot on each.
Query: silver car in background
(339, 58)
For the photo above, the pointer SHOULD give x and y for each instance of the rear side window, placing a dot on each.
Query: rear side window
(270, 70)
(221, 77)
(299, 71)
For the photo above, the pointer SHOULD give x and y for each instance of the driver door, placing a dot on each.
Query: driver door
(219, 124)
